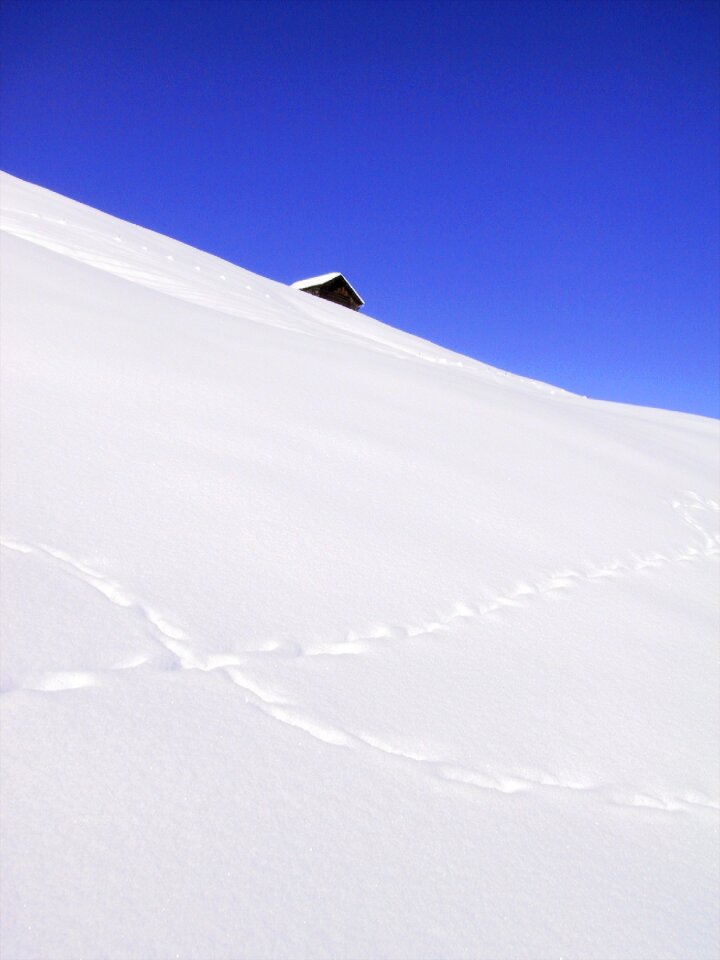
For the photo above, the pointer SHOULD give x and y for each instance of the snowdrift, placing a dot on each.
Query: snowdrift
(321, 641)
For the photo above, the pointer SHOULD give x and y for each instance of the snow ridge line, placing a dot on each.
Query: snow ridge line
(200, 293)
(161, 273)
(174, 641)
(167, 276)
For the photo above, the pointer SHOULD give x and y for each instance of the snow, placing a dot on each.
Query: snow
(321, 641)
(315, 281)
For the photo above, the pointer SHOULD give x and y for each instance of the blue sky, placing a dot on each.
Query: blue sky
(532, 183)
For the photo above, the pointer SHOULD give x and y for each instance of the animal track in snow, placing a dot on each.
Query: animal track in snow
(277, 708)
(689, 507)
(177, 643)
(504, 782)
(174, 640)
(61, 680)
(523, 592)
(169, 636)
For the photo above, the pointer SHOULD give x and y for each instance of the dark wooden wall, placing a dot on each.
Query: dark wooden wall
(336, 294)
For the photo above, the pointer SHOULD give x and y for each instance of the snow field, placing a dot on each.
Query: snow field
(323, 641)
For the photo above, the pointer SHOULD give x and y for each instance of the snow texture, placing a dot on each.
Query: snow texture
(321, 641)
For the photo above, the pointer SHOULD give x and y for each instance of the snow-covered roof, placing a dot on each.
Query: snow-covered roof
(325, 278)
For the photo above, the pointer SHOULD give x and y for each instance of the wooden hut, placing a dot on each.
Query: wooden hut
(334, 287)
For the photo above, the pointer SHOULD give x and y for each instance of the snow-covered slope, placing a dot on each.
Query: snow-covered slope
(321, 641)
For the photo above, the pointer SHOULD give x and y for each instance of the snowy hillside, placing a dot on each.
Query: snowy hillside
(321, 641)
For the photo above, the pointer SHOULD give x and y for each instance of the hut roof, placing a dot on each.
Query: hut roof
(326, 278)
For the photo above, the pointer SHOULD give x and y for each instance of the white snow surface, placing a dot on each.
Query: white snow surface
(312, 281)
(321, 641)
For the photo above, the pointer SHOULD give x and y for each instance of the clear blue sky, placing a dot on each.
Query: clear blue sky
(532, 183)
